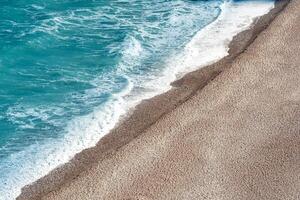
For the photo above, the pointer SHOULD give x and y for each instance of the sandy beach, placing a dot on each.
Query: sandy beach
(227, 131)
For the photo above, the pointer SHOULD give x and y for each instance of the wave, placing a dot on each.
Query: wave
(209, 45)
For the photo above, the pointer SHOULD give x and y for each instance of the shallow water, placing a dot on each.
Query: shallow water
(70, 69)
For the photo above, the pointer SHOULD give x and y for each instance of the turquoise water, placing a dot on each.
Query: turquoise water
(69, 69)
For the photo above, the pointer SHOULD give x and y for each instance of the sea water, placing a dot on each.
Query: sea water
(70, 69)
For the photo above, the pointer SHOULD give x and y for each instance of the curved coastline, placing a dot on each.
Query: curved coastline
(147, 113)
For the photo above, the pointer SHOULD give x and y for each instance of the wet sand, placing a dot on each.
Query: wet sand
(228, 131)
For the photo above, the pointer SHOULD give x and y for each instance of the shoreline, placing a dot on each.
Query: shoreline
(148, 112)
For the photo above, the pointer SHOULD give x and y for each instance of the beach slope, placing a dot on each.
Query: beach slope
(236, 138)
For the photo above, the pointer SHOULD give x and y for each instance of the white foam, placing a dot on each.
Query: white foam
(211, 44)
(207, 46)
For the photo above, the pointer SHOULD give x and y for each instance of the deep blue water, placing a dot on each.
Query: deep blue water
(55, 57)
(68, 69)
